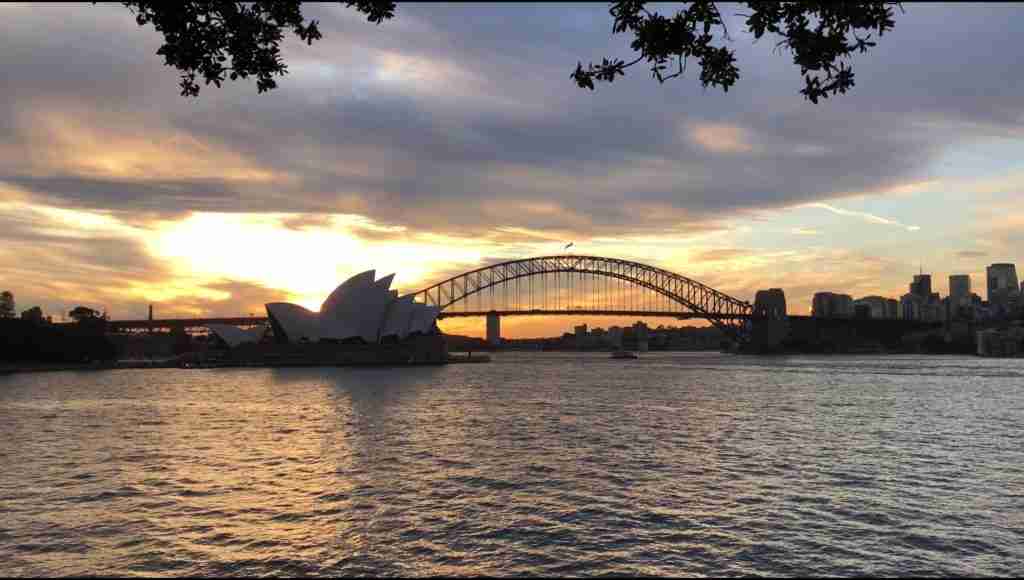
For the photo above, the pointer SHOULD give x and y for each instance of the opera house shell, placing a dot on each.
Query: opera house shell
(360, 310)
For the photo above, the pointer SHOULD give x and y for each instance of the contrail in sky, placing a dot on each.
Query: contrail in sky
(864, 216)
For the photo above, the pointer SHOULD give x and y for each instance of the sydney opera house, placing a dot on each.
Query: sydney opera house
(362, 321)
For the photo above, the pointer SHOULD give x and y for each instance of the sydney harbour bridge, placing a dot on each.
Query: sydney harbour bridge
(566, 285)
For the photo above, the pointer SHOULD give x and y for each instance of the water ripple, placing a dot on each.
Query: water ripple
(553, 464)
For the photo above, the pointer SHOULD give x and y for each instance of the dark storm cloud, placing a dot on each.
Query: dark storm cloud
(83, 192)
(500, 125)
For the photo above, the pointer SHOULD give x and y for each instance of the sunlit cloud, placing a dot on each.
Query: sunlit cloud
(721, 137)
(451, 137)
(804, 231)
(306, 263)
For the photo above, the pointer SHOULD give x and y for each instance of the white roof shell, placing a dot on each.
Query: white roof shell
(235, 336)
(359, 307)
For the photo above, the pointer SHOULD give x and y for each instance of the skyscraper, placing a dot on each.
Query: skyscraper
(1002, 283)
(922, 285)
(959, 288)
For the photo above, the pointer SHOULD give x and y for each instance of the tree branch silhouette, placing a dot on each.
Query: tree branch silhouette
(218, 41)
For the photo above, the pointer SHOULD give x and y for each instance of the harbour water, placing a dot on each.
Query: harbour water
(536, 463)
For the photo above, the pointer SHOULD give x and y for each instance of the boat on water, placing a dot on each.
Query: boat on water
(625, 354)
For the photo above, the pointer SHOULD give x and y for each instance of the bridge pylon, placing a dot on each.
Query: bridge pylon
(493, 329)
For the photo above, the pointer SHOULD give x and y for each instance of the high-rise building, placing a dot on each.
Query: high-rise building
(959, 288)
(832, 305)
(922, 285)
(910, 306)
(879, 307)
(1002, 283)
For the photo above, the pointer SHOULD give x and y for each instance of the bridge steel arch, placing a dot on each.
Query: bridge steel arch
(729, 314)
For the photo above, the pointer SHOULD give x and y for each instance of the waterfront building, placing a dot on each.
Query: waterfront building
(640, 334)
(892, 308)
(770, 303)
(910, 306)
(615, 336)
(962, 304)
(360, 310)
(1002, 284)
(922, 285)
(960, 289)
(832, 305)
(580, 332)
(992, 342)
(234, 336)
(878, 307)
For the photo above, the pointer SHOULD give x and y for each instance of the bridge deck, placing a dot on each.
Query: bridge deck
(585, 312)
(138, 325)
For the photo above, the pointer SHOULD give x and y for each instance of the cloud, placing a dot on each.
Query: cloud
(721, 138)
(804, 231)
(971, 254)
(455, 130)
(442, 111)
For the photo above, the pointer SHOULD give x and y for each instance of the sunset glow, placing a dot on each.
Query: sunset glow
(388, 149)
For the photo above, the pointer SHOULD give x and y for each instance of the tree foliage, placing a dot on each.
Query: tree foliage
(216, 41)
(820, 36)
(33, 315)
(27, 340)
(6, 304)
(221, 40)
(80, 313)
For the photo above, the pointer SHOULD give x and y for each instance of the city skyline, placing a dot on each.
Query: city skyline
(425, 148)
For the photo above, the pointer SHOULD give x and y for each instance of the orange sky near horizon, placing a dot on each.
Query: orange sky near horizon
(451, 138)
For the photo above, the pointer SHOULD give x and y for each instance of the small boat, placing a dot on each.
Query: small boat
(625, 354)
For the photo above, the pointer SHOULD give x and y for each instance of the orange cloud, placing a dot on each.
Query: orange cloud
(721, 137)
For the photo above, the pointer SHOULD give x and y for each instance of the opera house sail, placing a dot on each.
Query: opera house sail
(361, 316)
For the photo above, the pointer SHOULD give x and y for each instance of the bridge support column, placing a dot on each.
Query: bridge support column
(493, 329)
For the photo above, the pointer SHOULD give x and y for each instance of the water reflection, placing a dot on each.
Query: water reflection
(533, 464)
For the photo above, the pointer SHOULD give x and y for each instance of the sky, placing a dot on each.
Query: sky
(452, 137)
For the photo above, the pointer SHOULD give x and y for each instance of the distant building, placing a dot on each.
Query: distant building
(879, 307)
(892, 308)
(770, 303)
(922, 285)
(960, 289)
(641, 335)
(580, 332)
(1002, 283)
(832, 305)
(615, 336)
(962, 304)
(910, 306)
